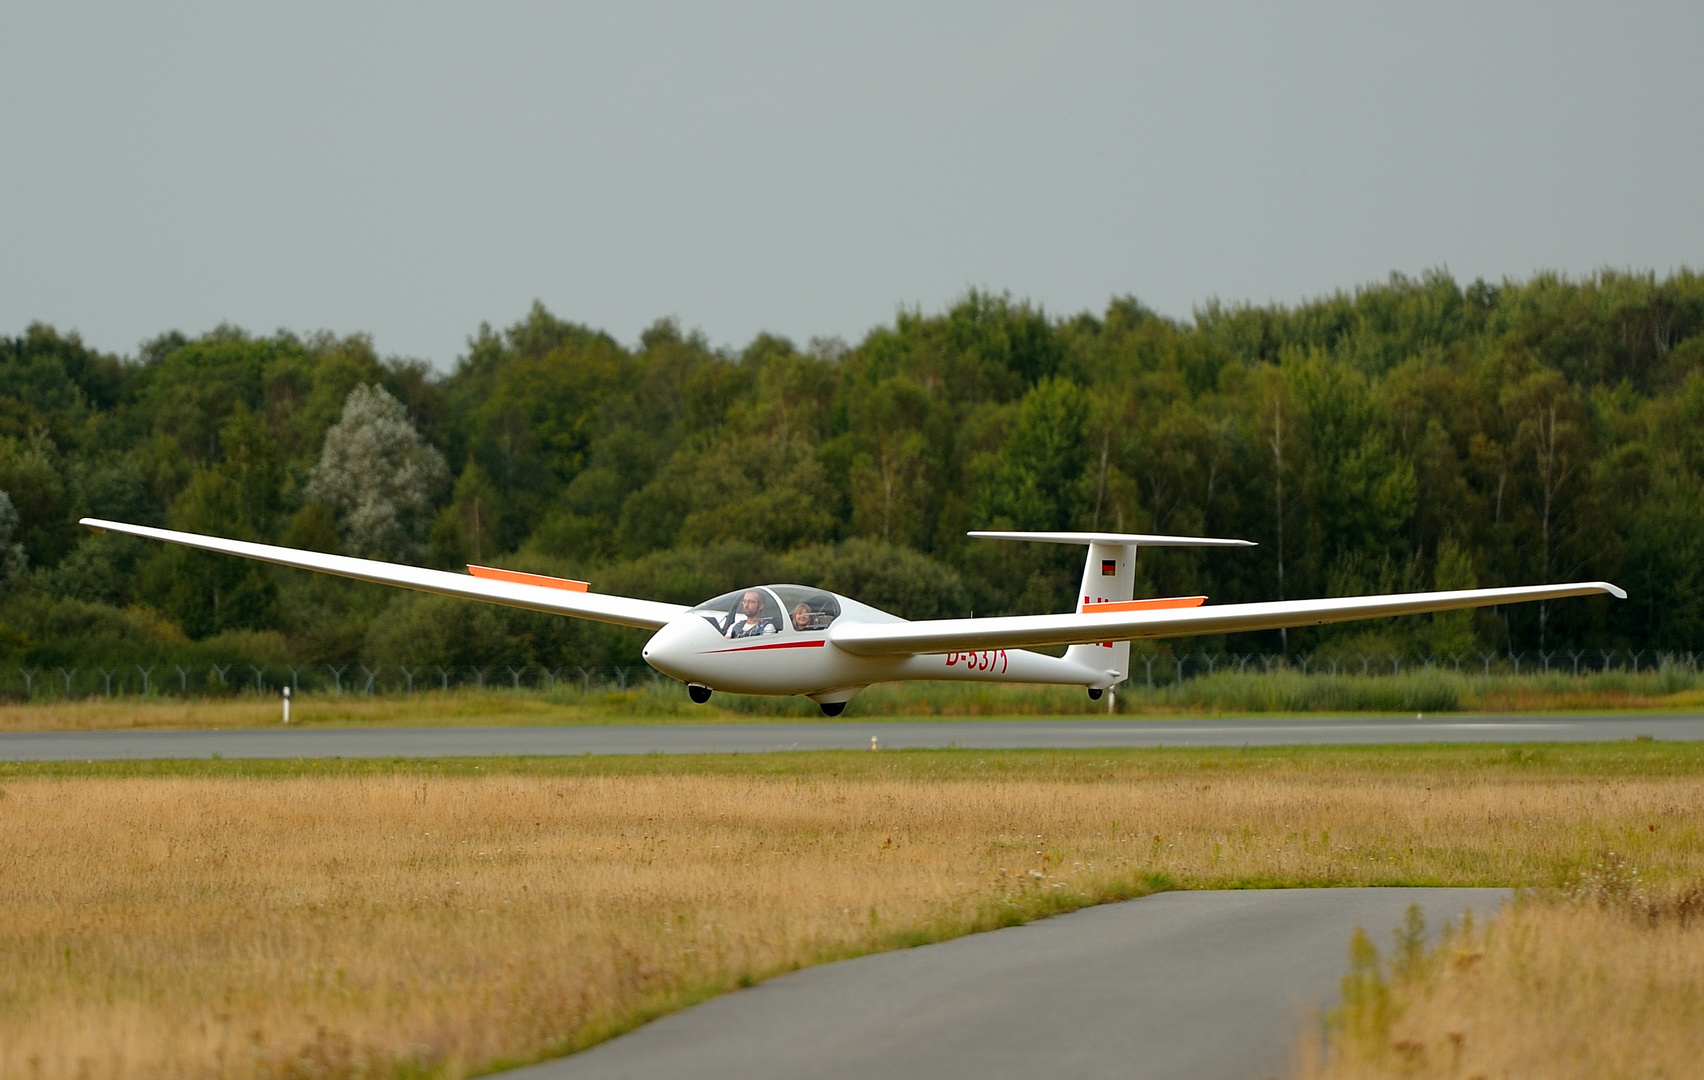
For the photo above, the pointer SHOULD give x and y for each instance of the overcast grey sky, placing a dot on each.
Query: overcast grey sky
(411, 170)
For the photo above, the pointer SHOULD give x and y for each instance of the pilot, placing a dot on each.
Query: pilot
(747, 620)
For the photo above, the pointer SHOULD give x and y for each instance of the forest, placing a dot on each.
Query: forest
(1409, 434)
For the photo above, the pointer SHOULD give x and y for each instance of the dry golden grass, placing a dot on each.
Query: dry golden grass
(1559, 987)
(220, 923)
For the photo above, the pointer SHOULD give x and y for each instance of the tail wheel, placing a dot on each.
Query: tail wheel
(832, 708)
(697, 693)
(1095, 693)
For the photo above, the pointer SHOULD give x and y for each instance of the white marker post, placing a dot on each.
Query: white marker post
(286, 704)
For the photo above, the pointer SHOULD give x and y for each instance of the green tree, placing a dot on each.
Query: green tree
(203, 592)
(1035, 480)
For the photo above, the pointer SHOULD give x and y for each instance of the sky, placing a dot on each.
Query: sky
(413, 170)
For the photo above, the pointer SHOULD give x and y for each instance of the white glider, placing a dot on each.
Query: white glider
(794, 639)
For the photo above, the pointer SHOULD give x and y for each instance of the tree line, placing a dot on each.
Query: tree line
(1411, 434)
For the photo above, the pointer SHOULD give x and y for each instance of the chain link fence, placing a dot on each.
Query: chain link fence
(1158, 668)
(18, 684)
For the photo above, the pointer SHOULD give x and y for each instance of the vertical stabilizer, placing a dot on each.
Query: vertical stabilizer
(1109, 576)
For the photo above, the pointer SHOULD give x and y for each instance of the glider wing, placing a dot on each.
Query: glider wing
(513, 590)
(1020, 631)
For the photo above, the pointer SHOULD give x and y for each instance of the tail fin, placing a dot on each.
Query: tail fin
(1109, 577)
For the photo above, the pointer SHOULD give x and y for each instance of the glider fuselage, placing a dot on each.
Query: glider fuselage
(786, 646)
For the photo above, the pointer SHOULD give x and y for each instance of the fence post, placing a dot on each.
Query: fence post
(1544, 658)
(108, 676)
(479, 677)
(1515, 659)
(1575, 656)
(220, 671)
(408, 677)
(147, 675)
(1334, 658)
(1148, 661)
(67, 676)
(29, 682)
(337, 677)
(1364, 659)
(1455, 658)
(183, 679)
(295, 681)
(1178, 660)
(371, 676)
(259, 678)
(1485, 656)
(515, 676)
(550, 676)
(1396, 664)
(1636, 657)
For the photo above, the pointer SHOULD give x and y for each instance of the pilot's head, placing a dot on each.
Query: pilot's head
(751, 604)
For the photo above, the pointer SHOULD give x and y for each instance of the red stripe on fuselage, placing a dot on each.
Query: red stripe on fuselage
(776, 645)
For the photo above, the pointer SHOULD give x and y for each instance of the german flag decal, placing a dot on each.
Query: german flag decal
(1109, 568)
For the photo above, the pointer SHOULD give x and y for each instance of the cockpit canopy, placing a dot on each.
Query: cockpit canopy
(770, 609)
(808, 609)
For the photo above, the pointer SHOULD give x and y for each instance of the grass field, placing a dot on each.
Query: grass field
(665, 701)
(361, 918)
(1602, 979)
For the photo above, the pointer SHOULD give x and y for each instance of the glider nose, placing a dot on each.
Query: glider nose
(672, 649)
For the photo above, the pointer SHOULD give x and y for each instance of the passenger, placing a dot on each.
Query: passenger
(803, 616)
(748, 620)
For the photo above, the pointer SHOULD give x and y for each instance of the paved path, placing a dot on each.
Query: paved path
(376, 742)
(1215, 985)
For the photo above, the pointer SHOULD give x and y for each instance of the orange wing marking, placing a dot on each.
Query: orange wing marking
(519, 578)
(1144, 605)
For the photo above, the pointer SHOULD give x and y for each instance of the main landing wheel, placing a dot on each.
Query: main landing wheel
(1095, 693)
(832, 708)
(697, 693)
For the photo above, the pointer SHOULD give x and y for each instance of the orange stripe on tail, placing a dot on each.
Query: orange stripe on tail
(1144, 605)
(494, 574)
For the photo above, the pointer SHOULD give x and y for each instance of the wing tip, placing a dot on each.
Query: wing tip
(1614, 590)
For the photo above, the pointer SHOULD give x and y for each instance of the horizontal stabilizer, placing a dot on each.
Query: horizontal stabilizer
(1114, 539)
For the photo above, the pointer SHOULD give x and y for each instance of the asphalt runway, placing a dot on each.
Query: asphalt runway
(376, 742)
(1213, 985)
